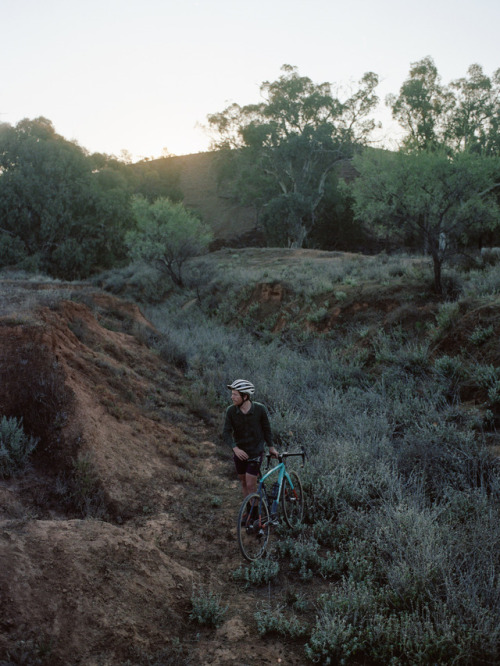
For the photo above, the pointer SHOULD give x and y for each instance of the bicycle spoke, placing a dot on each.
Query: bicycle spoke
(253, 527)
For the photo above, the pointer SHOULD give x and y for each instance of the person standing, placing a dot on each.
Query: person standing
(247, 431)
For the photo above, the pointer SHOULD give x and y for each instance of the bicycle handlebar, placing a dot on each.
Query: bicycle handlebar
(286, 454)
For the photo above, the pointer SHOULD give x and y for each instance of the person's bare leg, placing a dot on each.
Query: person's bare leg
(251, 483)
(248, 484)
(243, 481)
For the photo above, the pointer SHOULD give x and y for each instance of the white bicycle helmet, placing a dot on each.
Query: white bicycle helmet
(243, 386)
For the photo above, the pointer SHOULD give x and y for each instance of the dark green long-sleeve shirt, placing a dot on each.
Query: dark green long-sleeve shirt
(250, 432)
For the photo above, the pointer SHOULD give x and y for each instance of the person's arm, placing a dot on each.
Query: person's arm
(227, 436)
(227, 431)
(268, 434)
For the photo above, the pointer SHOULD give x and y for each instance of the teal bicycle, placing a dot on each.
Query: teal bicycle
(277, 489)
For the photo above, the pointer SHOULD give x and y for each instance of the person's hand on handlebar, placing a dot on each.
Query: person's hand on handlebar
(273, 452)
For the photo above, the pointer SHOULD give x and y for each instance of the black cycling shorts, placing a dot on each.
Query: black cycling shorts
(250, 466)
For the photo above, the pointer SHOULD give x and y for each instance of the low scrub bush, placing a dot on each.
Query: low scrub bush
(207, 608)
(480, 334)
(139, 281)
(483, 283)
(15, 447)
(257, 573)
(444, 456)
(355, 627)
(409, 355)
(447, 315)
(276, 621)
(451, 367)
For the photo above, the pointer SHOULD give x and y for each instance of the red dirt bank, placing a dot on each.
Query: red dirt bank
(118, 441)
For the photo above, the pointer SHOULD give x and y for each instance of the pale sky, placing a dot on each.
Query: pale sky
(142, 75)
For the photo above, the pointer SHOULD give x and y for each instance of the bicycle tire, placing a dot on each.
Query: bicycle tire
(253, 532)
(292, 500)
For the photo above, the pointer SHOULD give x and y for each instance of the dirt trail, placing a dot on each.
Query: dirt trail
(130, 505)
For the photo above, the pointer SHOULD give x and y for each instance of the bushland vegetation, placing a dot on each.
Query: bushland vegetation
(68, 213)
(64, 212)
(398, 559)
(167, 235)
(290, 155)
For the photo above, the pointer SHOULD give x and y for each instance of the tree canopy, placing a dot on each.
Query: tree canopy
(56, 214)
(166, 235)
(284, 148)
(428, 199)
(464, 115)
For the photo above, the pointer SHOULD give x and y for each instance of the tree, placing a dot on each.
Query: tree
(422, 106)
(336, 228)
(474, 122)
(284, 148)
(56, 215)
(166, 235)
(465, 115)
(428, 198)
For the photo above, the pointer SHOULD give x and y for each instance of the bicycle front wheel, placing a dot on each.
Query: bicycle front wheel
(292, 500)
(253, 527)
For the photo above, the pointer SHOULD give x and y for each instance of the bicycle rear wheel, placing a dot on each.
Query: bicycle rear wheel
(292, 500)
(253, 527)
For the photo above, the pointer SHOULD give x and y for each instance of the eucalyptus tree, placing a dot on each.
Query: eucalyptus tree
(283, 149)
(464, 115)
(474, 121)
(422, 106)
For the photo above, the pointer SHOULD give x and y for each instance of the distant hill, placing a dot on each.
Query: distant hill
(196, 177)
(233, 225)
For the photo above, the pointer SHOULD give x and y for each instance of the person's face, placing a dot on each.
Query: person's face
(237, 398)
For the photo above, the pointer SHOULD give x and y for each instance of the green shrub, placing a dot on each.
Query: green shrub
(447, 315)
(206, 608)
(166, 236)
(15, 447)
(450, 366)
(257, 573)
(140, 281)
(317, 316)
(303, 551)
(410, 355)
(275, 621)
(354, 627)
(494, 393)
(481, 334)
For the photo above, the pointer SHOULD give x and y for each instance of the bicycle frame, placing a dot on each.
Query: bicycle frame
(282, 473)
(280, 470)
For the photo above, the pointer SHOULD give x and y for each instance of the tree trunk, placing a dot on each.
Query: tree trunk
(437, 262)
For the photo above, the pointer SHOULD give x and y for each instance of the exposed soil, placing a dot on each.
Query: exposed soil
(116, 588)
